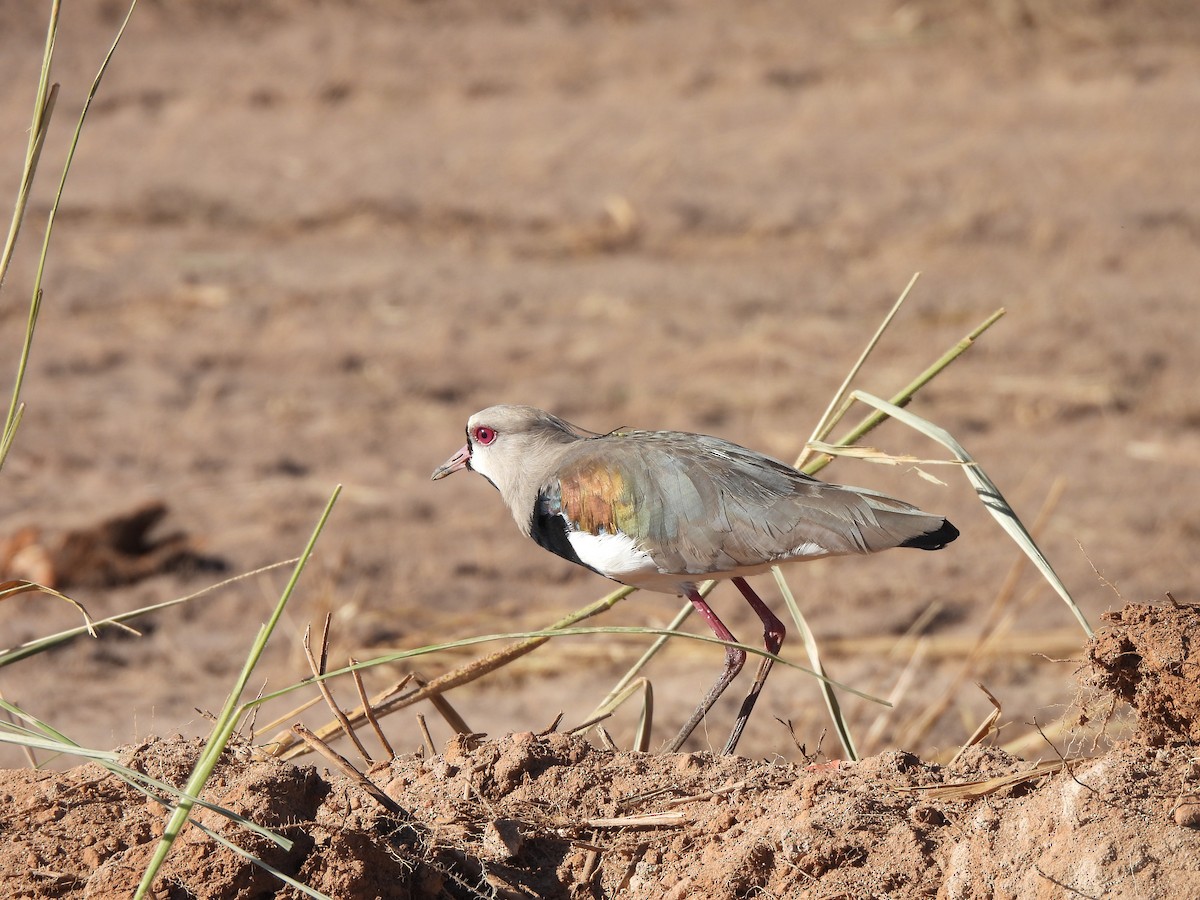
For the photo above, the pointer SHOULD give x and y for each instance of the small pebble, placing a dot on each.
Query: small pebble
(1187, 811)
(502, 839)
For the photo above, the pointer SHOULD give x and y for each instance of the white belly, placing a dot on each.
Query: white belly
(618, 556)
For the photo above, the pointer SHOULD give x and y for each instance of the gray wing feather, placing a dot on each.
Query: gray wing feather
(708, 505)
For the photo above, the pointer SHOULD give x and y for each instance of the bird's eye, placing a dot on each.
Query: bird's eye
(484, 435)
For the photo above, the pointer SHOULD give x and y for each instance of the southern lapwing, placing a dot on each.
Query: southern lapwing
(662, 510)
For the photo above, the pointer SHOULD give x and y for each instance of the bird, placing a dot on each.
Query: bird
(665, 510)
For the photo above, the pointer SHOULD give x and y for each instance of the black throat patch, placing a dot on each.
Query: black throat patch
(550, 531)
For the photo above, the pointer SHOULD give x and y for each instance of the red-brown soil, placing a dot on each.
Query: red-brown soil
(550, 815)
(301, 243)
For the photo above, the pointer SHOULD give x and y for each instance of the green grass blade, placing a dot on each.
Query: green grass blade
(50, 745)
(58, 743)
(989, 495)
(827, 420)
(39, 645)
(840, 725)
(10, 421)
(230, 714)
(10, 432)
(43, 108)
(903, 396)
(16, 409)
(35, 723)
(262, 864)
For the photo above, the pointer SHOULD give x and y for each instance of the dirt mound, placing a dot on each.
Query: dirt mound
(550, 815)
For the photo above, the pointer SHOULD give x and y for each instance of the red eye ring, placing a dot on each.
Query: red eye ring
(483, 435)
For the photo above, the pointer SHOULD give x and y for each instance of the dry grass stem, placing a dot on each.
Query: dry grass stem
(908, 675)
(827, 421)
(917, 629)
(902, 398)
(999, 645)
(426, 737)
(285, 746)
(344, 766)
(365, 706)
(484, 665)
(318, 669)
(985, 727)
(606, 739)
(707, 795)
(611, 703)
(288, 716)
(649, 820)
(992, 631)
(974, 790)
(20, 586)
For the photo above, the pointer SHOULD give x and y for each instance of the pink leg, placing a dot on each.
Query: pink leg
(735, 658)
(773, 635)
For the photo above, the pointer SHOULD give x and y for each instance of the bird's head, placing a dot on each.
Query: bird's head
(513, 447)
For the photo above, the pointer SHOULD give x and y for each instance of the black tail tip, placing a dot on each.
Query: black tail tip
(933, 540)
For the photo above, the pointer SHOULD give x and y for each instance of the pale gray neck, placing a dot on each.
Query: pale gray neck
(525, 469)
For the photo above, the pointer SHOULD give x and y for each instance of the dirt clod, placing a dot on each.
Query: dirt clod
(1149, 656)
(1187, 811)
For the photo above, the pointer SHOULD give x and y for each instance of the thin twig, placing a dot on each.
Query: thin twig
(318, 669)
(902, 397)
(827, 421)
(430, 749)
(984, 728)
(344, 766)
(650, 820)
(368, 711)
(484, 665)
